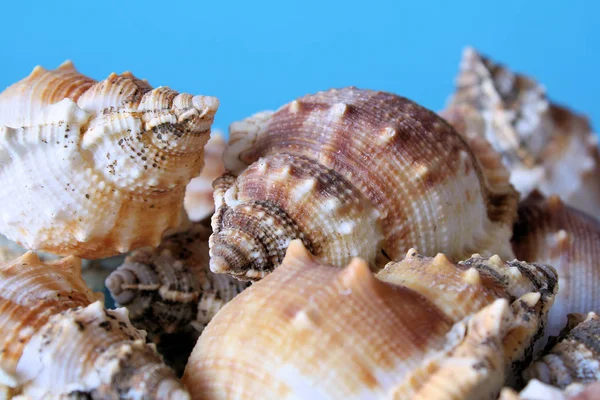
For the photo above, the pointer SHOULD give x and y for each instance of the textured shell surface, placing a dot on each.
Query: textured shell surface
(550, 232)
(310, 330)
(58, 341)
(170, 289)
(356, 172)
(95, 169)
(536, 390)
(198, 201)
(544, 145)
(575, 358)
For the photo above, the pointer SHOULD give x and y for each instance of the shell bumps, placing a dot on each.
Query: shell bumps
(94, 169)
(354, 172)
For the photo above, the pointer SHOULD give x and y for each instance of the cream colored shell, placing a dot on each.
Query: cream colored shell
(314, 331)
(96, 168)
(57, 340)
(544, 145)
(356, 172)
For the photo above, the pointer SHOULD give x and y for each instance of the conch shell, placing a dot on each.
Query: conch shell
(576, 356)
(57, 340)
(198, 201)
(553, 233)
(310, 330)
(95, 169)
(354, 172)
(545, 146)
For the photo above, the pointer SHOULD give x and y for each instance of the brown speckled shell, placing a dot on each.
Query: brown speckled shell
(310, 330)
(431, 189)
(553, 233)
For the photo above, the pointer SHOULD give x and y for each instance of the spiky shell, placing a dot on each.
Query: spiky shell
(553, 233)
(544, 145)
(96, 168)
(365, 149)
(310, 330)
(56, 339)
(171, 288)
(575, 358)
(198, 202)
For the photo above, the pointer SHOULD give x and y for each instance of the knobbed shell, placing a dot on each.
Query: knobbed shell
(314, 331)
(576, 356)
(94, 169)
(544, 145)
(198, 201)
(553, 233)
(57, 340)
(355, 172)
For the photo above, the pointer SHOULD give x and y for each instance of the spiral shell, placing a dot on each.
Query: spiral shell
(553, 233)
(198, 199)
(57, 340)
(314, 331)
(576, 356)
(545, 146)
(95, 169)
(356, 172)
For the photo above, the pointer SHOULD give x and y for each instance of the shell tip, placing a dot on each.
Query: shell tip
(67, 65)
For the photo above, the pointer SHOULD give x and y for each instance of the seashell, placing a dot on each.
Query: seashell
(95, 169)
(198, 199)
(57, 340)
(544, 145)
(309, 330)
(553, 233)
(170, 288)
(354, 172)
(575, 358)
(536, 390)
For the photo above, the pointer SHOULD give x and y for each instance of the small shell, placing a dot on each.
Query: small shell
(95, 169)
(552, 233)
(56, 340)
(170, 289)
(576, 356)
(545, 146)
(313, 331)
(356, 172)
(536, 390)
(198, 200)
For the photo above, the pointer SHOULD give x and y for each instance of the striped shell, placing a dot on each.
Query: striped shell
(356, 172)
(314, 331)
(544, 145)
(57, 340)
(553, 233)
(94, 169)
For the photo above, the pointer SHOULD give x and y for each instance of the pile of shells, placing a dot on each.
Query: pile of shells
(351, 244)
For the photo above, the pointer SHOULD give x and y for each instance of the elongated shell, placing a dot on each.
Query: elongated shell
(96, 168)
(575, 358)
(553, 233)
(313, 331)
(544, 145)
(57, 341)
(356, 172)
(198, 202)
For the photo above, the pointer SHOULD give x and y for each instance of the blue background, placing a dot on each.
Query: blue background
(257, 55)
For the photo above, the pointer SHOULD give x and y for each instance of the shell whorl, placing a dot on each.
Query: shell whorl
(86, 163)
(430, 189)
(310, 328)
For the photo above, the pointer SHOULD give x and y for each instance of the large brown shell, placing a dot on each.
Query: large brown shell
(545, 146)
(320, 165)
(95, 169)
(553, 233)
(310, 330)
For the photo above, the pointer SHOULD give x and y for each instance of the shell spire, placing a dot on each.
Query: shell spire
(311, 330)
(544, 145)
(354, 172)
(57, 340)
(111, 160)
